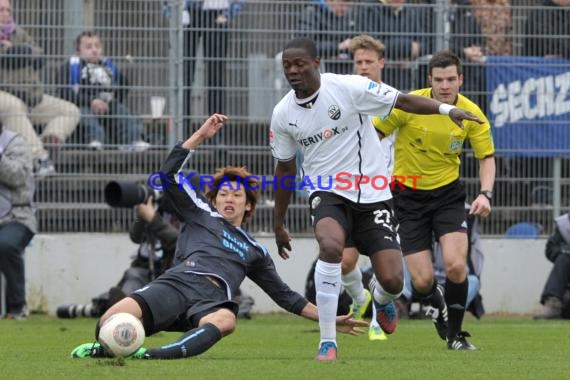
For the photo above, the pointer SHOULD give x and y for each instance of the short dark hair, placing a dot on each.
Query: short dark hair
(86, 33)
(304, 43)
(443, 59)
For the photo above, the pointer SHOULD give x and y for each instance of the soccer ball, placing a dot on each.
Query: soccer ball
(122, 334)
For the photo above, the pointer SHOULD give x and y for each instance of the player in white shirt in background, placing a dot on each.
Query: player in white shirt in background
(368, 59)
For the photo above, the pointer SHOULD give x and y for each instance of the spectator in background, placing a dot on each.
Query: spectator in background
(547, 30)
(206, 21)
(404, 30)
(495, 21)
(23, 102)
(17, 219)
(480, 28)
(96, 85)
(330, 23)
(556, 294)
(467, 42)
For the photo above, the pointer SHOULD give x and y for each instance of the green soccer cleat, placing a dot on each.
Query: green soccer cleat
(139, 354)
(357, 310)
(376, 333)
(95, 350)
(89, 350)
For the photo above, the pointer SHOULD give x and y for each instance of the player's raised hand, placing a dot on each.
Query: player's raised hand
(210, 127)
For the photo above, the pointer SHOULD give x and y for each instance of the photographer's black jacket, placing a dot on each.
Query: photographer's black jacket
(209, 245)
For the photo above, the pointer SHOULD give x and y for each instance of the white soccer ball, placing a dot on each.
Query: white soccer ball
(122, 334)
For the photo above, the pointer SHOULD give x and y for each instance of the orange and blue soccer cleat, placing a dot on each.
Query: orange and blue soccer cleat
(387, 316)
(327, 352)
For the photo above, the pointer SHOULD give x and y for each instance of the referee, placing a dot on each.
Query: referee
(430, 146)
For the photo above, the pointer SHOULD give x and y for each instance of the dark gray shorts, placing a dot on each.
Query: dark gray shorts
(176, 301)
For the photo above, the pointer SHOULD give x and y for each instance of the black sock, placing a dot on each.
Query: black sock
(192, 343)
(424, 297)
(455, 297)
(97, 329)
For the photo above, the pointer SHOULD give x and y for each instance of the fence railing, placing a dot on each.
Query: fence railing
(227, 60)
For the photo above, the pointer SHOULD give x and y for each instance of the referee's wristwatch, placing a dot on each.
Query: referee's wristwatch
(487, 193)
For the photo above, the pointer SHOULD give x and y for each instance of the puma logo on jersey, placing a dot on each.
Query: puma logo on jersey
(333, 284)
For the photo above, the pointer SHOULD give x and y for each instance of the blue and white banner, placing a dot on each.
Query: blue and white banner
(529, 105)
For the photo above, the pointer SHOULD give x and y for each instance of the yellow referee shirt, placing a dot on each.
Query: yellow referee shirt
(430, 145)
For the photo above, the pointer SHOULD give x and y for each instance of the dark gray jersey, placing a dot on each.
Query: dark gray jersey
(208, 244)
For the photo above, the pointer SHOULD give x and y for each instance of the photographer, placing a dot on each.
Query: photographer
(156, 232)
(555, 297)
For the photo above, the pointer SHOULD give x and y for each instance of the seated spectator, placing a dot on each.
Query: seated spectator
(479, 28)
(556, 294)
(17, 218)
(331, 24)
(405, 30)
(547, 30)
(95, 84)
(23, 102)
(495, 22)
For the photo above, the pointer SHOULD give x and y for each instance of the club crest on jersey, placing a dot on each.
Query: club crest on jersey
(455, 145)
(334, 112)
(315, 202)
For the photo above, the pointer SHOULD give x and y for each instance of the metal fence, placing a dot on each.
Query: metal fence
(226, 59)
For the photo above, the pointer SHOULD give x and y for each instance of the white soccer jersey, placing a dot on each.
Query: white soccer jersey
(336, 137)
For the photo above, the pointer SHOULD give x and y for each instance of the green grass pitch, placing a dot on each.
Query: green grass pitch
(282, 347)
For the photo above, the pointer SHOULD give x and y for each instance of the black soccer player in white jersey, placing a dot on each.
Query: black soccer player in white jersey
(326, 115)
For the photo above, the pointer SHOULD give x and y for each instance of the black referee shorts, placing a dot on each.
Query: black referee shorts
(425, 214)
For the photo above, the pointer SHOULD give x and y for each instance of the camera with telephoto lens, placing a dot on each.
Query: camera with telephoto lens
(129, 194)
(78, 310)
